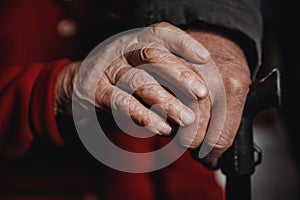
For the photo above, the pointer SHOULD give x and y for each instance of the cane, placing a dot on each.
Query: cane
(239, 161)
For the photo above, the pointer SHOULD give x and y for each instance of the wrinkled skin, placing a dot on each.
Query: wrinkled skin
(232, 64)
(161, 51)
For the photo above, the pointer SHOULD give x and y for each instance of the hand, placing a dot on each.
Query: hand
(232, 64)
(155, 46)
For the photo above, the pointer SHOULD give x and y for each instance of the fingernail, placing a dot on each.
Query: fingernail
(163, 128)
(199, 89)
(187, 116)
(203, 54)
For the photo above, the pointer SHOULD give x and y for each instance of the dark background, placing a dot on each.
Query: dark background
(281, 49)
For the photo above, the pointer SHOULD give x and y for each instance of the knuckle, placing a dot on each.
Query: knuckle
(147, 54)
(139, 116)
(186, 74)
(121, 101)
(144, 120)
(172, 106)
(138, 79)
(238, 83)
(152, 55)
(148, 88)
(115, 71)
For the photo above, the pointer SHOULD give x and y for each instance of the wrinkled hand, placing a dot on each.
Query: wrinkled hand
(160, 49)
(155, 46)
(232, 64)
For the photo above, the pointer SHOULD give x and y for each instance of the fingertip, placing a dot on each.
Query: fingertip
(163, 128)
(187, 116)
(203, 92)
(199, 89)
(203, 55)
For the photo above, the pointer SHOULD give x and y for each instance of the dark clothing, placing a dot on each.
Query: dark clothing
(239, 19)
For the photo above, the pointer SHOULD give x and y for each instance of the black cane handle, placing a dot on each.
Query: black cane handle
(239, 161)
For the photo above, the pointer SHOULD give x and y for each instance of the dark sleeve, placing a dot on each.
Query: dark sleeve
(239, 19)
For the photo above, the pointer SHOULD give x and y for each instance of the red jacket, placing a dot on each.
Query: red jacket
(33, 50)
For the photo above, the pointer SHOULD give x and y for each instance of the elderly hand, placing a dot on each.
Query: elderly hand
(232, 64)
(170, 55)
(117, 64)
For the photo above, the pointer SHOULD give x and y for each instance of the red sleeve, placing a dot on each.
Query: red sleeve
(26, 102)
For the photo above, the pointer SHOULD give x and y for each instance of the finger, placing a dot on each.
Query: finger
(175, 40)
(192, 136)
(168, 67)
(235, 100)
(151, 92)
(112, 97)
